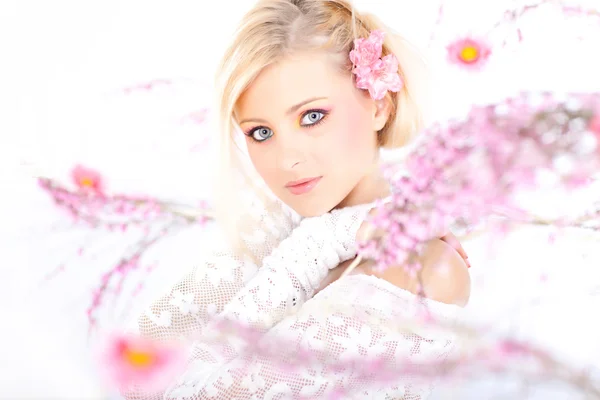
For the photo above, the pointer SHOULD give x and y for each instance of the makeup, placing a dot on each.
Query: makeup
(303, 186)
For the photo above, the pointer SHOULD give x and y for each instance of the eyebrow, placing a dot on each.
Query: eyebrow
(291, 110)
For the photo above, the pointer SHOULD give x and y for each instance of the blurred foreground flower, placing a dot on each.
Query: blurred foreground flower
(466, 171)
(594, 126)
(471, 53)
(88, 180)
(152, 218)
(132, 361)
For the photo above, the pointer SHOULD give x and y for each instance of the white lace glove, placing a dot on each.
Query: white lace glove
(184, 310)
(359, 318)
(287, 278)
(188, 305)
(296, 268)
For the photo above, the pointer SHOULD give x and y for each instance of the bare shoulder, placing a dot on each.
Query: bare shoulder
(444, 275)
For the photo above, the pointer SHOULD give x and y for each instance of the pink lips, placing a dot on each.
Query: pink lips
(303, 185)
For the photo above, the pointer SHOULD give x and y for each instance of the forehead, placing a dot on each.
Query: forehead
(293, 80)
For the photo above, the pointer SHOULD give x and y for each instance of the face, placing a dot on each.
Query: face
(311, 134)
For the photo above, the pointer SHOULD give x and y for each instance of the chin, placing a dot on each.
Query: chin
(311, 212)
(312, 207)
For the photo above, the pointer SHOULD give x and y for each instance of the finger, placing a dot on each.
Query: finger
(455, 243)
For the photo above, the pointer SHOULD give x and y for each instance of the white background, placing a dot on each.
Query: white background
(63, 66)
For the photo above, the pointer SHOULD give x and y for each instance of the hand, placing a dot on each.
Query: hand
(366, 232)
(335, 273)
(455, 243)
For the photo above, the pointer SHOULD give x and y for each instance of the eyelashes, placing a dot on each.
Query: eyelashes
(309, 119)
(319, 114)
(260, 133)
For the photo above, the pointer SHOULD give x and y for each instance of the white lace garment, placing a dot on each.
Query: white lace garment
(343, 328)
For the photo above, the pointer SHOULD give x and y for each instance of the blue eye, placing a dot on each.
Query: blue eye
(312, 117)
(260, 134)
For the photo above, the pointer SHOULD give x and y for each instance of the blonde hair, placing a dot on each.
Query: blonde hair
(273, 30)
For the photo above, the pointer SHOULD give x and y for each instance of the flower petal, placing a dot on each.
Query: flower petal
(373, 73)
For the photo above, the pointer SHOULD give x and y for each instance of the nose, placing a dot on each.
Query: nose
(290, 151)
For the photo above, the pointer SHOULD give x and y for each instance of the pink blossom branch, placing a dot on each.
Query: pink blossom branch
(125, 266)
(462, 172)
(465, 170)
(589, 220)
(479, 355)
(438, 21)
(147, 86)
(90, 205)
(511, 17)
(472, 51)
(97, 209)
(581, 11)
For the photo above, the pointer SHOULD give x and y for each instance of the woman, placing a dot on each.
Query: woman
(306, 85)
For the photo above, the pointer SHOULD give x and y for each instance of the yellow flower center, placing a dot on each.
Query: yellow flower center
(88, 182)
(138, 358)
(469, 54)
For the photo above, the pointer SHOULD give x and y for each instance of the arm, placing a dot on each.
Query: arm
(444, 274)
(288, 277)
(186, 307)
(203, 292)
(291, 274)
(350, 323)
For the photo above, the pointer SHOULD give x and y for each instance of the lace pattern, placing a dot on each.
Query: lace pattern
(353, 319)
(345, 331)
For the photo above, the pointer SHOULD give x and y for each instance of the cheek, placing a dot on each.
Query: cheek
(355, 137)
(263, 162)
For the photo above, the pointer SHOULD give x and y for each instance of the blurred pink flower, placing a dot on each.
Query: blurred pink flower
(468, 169)
(594, 126)
(197, 117)
(147, 86)
(471, 53)
(88, 179)
(136, 361)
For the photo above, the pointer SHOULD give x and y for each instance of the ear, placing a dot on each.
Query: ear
(381, 114)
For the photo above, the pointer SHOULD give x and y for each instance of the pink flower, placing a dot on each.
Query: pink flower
(470, 53)
(594, 127)
(367, 51)
(196, 117)
(511, 348)
(465, 171)
(87, 179)
(151, 365)
(373, 73)
(147, 86)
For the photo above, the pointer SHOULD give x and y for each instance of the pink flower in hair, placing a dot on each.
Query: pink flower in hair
(377, 75)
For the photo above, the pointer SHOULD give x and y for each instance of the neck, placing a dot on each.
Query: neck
(370, 188)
